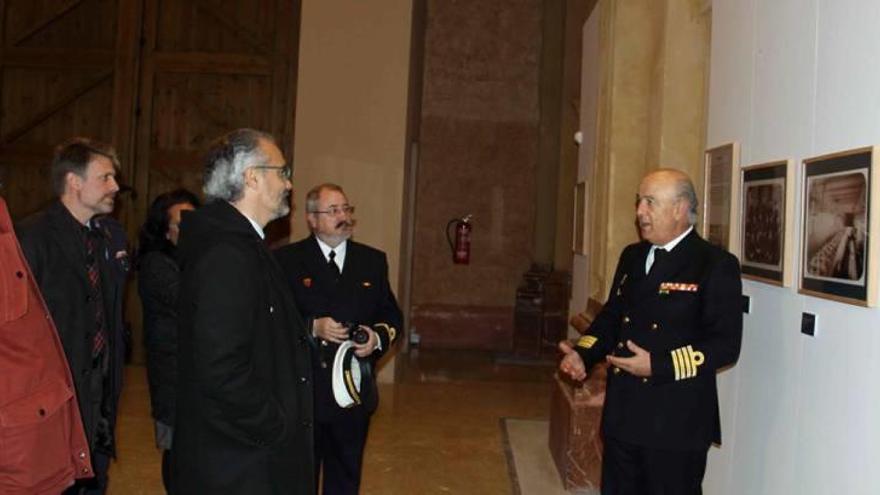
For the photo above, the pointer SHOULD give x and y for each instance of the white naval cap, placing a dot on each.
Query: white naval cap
(347, 376)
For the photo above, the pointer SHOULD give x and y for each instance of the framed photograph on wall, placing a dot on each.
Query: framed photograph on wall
(838, 254)
(767, 222)
(579, 241)
(720, 184)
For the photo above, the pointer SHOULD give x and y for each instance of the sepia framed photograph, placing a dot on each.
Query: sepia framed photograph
(838, 254)
(720, 184)
(767, 222)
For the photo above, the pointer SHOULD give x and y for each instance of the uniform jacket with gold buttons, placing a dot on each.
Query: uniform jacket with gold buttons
(687, 313)
(43, 442)
(361, 294)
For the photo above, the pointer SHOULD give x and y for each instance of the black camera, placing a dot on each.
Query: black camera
(357, 334)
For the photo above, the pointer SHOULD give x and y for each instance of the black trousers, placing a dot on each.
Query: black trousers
(167, 470)
(339, 449)
(629, 469)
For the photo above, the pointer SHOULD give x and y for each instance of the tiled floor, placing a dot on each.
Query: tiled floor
(436, 431)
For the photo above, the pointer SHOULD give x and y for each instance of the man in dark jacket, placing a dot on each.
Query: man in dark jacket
(77, 271)
(339, 284)
(671, 322)
(244, 397)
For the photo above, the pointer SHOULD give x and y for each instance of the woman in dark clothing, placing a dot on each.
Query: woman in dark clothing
(158, 283)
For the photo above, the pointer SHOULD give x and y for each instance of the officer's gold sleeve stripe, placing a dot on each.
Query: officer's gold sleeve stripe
(688, 365)
(686, 361)
(392, 332)
(676, 365)
(686, 371)
(587, 341)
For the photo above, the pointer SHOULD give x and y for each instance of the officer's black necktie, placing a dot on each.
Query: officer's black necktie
(331, 263)
(659, 255)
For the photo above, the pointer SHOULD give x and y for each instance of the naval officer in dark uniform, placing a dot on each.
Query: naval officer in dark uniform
(339, 285)
(671, 321)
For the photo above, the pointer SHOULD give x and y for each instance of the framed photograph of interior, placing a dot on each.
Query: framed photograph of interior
(721, 179)
(838, 250)
(767, 222)
(579, 241)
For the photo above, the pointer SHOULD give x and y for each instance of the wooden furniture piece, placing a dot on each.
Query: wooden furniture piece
(541, 312)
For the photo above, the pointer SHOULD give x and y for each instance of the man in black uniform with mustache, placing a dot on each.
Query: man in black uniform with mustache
(340, 285)
(672, 320)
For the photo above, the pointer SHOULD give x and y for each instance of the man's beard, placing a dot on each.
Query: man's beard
(283, 207)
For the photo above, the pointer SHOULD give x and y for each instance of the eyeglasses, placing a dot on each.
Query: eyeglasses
(336, 210)
(285, 171)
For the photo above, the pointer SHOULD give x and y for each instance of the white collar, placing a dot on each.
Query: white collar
(256, 227)
(669, 246)
(339, 250)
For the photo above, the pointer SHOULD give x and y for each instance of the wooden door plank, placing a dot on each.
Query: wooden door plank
(280, 74)
(22, 154)
(125, 65)
(212, 63)
(227, 19)
(41, 58)
(62, 102)
(144, 111)
(58, 13)
(197, 101)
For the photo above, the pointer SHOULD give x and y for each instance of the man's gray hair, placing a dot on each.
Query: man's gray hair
(315, 192)
(227, 159)
(685, 190)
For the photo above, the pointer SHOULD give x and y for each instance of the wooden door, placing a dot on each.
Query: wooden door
(67, 67)
(210, 66)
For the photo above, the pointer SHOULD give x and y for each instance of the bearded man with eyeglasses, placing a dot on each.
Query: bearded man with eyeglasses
(340, 285)
(243, 422)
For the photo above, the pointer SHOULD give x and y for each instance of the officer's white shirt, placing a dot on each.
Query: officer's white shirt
(339, 259)
(669, 246)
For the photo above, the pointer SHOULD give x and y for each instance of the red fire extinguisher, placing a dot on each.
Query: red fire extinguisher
(461, 248)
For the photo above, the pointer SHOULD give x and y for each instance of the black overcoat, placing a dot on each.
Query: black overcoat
(687, 314)
(244, 403)
(55, 251)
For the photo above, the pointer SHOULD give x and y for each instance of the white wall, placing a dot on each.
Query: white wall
(580, 270)
(794, 79)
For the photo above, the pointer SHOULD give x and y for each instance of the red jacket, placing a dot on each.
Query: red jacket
(42, 443)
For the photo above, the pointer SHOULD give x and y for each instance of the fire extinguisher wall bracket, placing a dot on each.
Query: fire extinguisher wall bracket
(461, 246)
